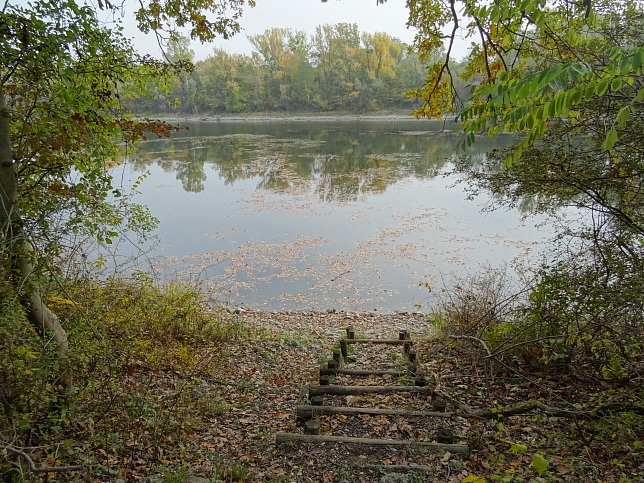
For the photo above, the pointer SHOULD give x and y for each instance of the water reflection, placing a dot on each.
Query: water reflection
(336, 163)
(345, 215)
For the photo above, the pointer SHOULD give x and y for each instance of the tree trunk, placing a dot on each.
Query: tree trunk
(15, 250)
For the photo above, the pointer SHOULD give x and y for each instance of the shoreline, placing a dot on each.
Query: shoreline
(224, 118)
(329, 324)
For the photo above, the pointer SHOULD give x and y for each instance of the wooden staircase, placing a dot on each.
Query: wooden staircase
(328, 417)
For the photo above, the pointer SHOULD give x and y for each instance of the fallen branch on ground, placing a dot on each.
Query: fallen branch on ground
(541, 408)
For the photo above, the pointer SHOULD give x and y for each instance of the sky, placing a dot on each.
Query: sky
(390, 17)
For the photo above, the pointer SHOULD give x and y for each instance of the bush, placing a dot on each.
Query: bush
(135, 350)
(569, 313)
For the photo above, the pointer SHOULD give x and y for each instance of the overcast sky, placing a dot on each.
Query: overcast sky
(303, 15)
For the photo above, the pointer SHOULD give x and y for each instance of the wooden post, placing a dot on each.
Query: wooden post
(411, 356)
(324, 381)
(351, 333)
(403, 335)
(445, 436)
(337, 357)
(439, 406)
(317, 401)
(332, 365)
(312, 427)
(344, 348)
(406, 347)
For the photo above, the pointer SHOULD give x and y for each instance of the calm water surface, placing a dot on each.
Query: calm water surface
(317, 215)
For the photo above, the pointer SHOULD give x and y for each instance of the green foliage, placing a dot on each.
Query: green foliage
(568, 77)
(119, 331)
(578, 318)
(206, 20)
(231, 471)
(29, 392)
(560, 316)
(337, 68)
(536, 63)
(149, 326)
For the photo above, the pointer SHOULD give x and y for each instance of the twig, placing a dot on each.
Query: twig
(50, 469)
(476, 339)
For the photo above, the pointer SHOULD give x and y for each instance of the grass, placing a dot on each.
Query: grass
(142, 355)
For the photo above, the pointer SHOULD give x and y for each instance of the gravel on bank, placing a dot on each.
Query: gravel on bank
(330, 324)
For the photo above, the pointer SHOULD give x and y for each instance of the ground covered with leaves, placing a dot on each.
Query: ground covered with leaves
(177, 404)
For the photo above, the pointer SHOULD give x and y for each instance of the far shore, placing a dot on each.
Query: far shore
(294, 117)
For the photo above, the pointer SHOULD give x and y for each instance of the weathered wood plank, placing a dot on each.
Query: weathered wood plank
(396, 468)
(281, 438)
(338, 390)
(379, 341)
(325, 371)
(307, 411)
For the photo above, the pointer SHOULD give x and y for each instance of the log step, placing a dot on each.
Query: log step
(338, 390)
(307, 411)
(397, 468)
(378, 341)
(362, 372)
(280, 438)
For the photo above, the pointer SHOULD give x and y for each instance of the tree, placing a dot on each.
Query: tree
(271, 51)
(228, 83)
(336, 50)
(60, 114)
(568, 77)
(180, 55)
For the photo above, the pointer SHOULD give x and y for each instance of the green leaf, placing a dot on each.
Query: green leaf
(626, 66)
(637, 61)
(640, 96)
(580, 68)
(602, 87)
(611, 139)
(518, 448)
(616, 84)
(623, 115)
(539, 464)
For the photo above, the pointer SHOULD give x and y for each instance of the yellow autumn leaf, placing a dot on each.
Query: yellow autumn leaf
(473, 479)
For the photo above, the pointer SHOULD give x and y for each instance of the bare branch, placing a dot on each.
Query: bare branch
(50, 469)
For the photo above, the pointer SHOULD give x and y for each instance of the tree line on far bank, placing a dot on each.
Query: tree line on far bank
(338, 68)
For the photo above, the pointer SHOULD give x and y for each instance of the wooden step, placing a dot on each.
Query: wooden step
(307, 411)
(338, 390)
(379, 341)
(281, 438)
(324, 371)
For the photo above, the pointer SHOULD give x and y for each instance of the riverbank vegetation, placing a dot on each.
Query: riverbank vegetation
(337, 69)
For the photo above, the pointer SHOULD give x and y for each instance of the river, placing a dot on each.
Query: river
(338, 214)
